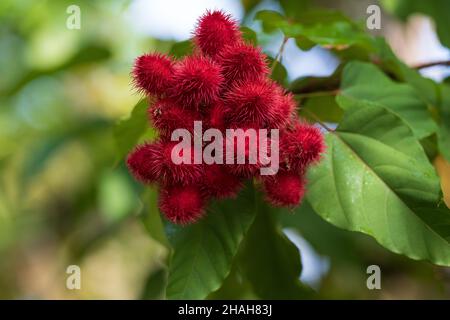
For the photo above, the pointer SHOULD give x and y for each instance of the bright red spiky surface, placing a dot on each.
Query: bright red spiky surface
(225, 84)
(152, 73)
(216, 117)
(152, 162)
(252, 102)
(245, 170)
(196, 82)
(182, 204)
(285, 189)
(216, 30)
(242, 62)
(145, 162)
(219, 183)
(184, 173)
(284, 112)
(301, 146)
(166, 116)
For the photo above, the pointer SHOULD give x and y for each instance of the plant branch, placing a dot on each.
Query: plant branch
(315, 117)
(432, 64)
(318, 94)
(279, 54)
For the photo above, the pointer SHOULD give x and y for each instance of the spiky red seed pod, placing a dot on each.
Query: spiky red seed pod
(247, 169)
(216, 117)
(252, 102)
(167, 116)
(301, 146)
(219, 183)
(284, 111)
(144, 162)
(284, 189)
(184, 173)
(196, 82)
(153, 162)
(242, 62)
(215, 30)
(152, 73)
(182, 204)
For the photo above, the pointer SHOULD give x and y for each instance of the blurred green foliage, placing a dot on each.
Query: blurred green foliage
(68, 118)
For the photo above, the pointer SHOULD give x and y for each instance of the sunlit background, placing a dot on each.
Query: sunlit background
(65, 195)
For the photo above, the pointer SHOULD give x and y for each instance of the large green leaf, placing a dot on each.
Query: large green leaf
(271, 262)
(155, 284)
(323, 107)
(316, 26)
(376, 179)
(204, 251)
(128, 132)
(444, 129)
(366, 83)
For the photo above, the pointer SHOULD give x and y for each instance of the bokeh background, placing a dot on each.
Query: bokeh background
(65, 194)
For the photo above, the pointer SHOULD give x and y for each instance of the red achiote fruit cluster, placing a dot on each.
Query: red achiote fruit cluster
(224, 84)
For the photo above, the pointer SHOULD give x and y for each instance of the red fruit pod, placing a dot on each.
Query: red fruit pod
(219, 183)
(246, 161)
(153, 162)
(242, 62)
(167, 116)
(285, 189)
(252, 102)
(284, 111)
(145, 162)
(216, 117)
(215, 30)
(196, 82)
(182, 204)
(152, 73)
(301, 146)
(176, 171)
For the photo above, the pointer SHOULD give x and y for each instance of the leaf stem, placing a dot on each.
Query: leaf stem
(315, 117)
(432, 64)
(279, 54)
(318, 94)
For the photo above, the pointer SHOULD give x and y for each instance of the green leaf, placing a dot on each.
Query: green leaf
(279, 72)
(366, 83)
(249, 35)
(295, 8)
(154, 288)
(316, 26)
(444, 140)
(444, 128)
(376, 179)
(204, 251)
(313, 84)
(271, 20)
(152, 219)
(128, 132)
(181, 49)
(322, 106)
(271, 262)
